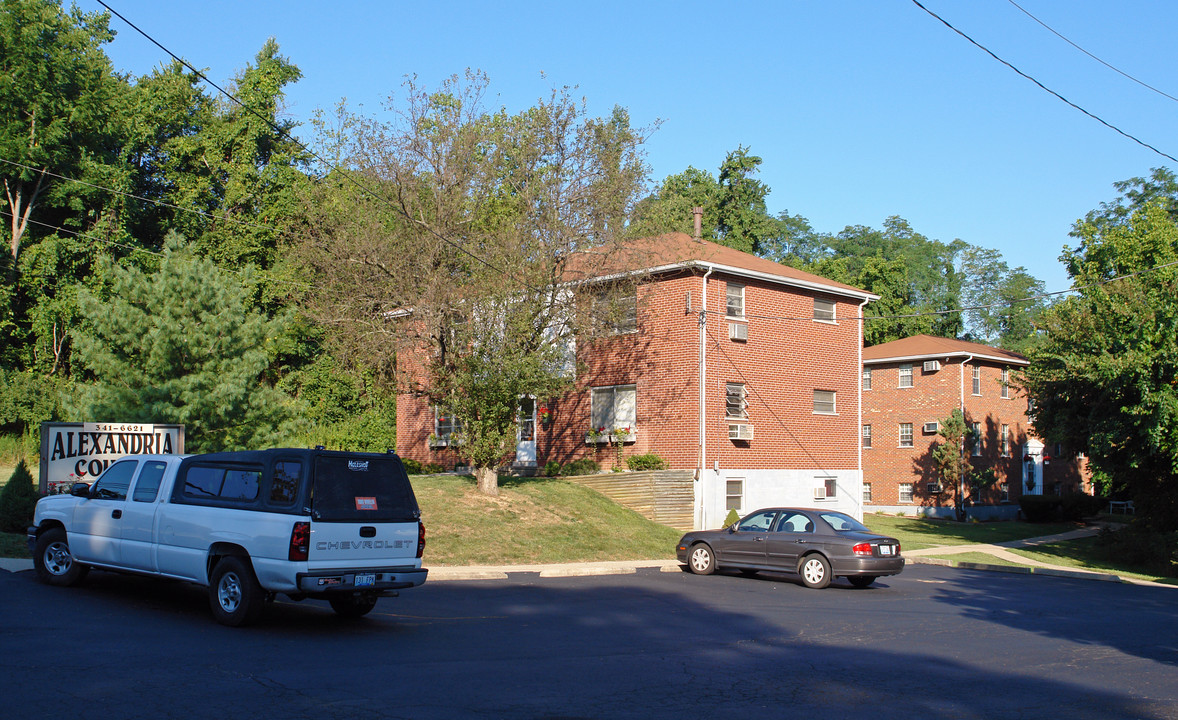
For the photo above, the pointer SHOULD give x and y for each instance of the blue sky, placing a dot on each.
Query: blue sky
(860, 109)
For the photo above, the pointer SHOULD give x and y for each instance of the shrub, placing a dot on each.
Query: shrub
(732, 517)
(1078, 505)
(552, 468)
(17, 501)
(412, 467)
(584, 466)
(1041, 508)
(432, 468)
(1140, 547)
(649, 461)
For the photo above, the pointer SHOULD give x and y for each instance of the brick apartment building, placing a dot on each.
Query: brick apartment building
(741, 370)
(913, 384)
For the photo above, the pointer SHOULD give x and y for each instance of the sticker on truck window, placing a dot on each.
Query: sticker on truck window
(358, 465)
(365, 503)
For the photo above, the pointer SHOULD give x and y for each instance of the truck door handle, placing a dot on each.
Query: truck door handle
(116, 514)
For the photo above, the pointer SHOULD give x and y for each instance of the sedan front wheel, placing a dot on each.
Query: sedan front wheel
(701, 561)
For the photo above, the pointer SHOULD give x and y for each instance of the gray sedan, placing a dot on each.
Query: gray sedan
(817, 545)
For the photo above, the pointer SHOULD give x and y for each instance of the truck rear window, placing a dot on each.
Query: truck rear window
(362, 489)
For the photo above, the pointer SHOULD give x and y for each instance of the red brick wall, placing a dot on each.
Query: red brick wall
(933, 397)
(787, 356)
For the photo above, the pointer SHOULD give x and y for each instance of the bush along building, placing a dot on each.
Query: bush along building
(741, 373)
(910, 387)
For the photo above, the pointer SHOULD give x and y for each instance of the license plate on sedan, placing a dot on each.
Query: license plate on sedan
(365, 579)
(886, 550)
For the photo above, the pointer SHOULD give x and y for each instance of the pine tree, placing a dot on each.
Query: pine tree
(18, 500)
(181, 345)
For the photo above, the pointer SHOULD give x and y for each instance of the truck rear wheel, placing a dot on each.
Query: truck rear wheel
(235, 596)
(53, 561)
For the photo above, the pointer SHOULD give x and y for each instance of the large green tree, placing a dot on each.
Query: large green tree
(458, 261)
(1002, 304)
(1104, 379)
(180, 344)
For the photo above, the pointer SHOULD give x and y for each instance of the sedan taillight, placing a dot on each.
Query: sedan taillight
(863, 549)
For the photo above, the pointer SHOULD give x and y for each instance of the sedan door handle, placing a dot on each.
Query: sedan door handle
(759, 539)
(116, 514)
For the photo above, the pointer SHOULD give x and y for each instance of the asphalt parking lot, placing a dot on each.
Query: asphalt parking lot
(933, 642)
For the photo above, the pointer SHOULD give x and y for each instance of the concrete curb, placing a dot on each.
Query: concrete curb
(1021, 570)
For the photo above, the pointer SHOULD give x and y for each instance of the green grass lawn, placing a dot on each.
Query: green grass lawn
(534, 520)
(1086, 554)
(920, 533)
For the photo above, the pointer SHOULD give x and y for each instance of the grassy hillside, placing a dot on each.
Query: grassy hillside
(535, 520)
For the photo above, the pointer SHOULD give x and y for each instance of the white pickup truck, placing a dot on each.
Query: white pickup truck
(247, 525)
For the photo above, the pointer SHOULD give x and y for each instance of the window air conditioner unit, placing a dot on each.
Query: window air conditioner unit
(932, 365)
(738, 331)
(931, 428)
(820, 493)
(740, 431)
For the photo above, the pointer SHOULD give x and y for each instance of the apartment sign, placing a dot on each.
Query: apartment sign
(79, 452)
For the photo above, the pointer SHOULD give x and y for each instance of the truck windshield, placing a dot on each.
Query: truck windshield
(362, 490)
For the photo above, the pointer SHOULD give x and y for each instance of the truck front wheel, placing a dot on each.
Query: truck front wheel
(53, 561)
(235, 596)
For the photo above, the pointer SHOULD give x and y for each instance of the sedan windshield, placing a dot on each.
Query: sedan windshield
(843, 523)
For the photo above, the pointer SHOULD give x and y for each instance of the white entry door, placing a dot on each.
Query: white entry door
(1033, 468)
(525, 449)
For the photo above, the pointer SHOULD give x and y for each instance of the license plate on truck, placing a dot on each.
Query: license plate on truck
(365, 579)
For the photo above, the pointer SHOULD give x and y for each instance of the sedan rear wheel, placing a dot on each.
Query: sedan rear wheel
(701, 561)
(815, 571)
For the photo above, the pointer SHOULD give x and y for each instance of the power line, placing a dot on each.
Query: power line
(160, 203)
(286, 134)
(1102, 62)
(990, 306)
(986, 50)
(133, 248)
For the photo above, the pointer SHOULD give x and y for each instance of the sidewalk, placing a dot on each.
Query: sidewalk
(1002, 551)
(442, 573)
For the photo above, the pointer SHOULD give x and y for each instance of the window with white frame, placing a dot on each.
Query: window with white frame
(615, 307)
(1005, 438)
(977, 379)
(824, 310)
(866, 492)
(1005, 487)
(906, 375)
(905, 492)
(447, 428)
(975, 439)
(866, 378)
(614, 407)
(832, 487)
(734, 300)
(905, 434)
(734, 494)
(866, 436)
(1005, 383)
(824, 402)
(736, 406)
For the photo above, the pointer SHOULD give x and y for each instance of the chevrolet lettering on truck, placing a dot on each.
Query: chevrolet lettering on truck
(341, 526)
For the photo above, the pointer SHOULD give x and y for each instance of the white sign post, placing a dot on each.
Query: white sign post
(79, 452)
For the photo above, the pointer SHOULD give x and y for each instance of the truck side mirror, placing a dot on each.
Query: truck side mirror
(80, 489)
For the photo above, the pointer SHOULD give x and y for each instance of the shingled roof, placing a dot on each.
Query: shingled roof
(677, 251)
(927, 347)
